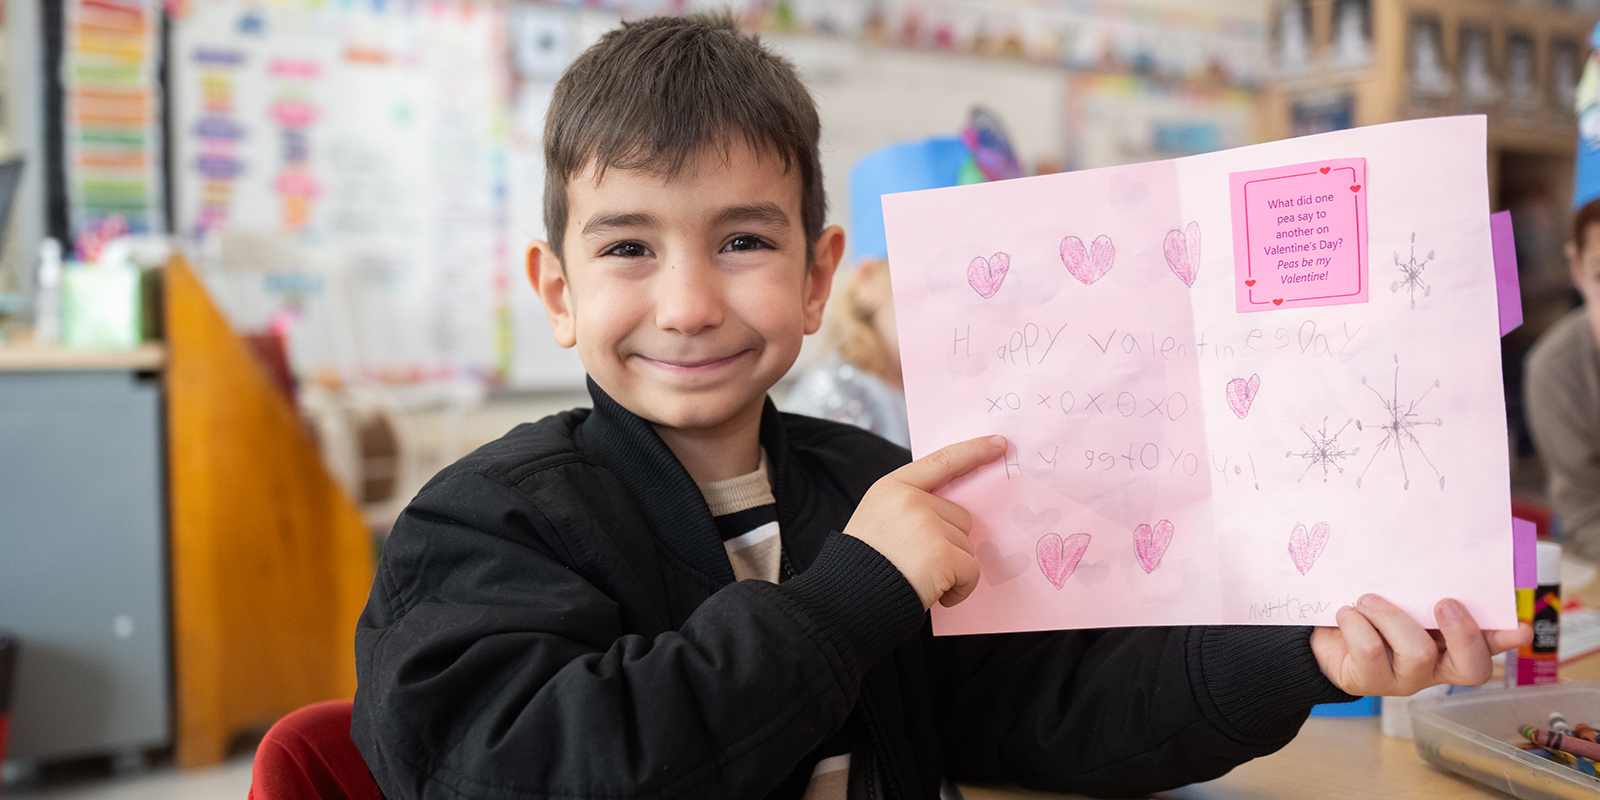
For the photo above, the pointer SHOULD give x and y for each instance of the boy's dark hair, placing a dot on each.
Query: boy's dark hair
(1586, 216)
(653, 93)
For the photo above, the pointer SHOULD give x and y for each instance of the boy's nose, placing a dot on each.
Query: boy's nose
(688, 298)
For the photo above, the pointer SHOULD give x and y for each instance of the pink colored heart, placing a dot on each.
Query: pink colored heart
(1183, 252)
(1304, 547)
(1241, 394)
(1150, 544)
(1059, 557)
(1088, 265)
(986, 274)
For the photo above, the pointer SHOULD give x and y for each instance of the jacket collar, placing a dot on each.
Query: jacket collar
(672, 504)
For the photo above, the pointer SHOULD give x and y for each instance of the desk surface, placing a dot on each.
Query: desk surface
(1333, 758)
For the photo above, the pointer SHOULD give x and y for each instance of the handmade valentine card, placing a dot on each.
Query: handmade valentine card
(1240, 388)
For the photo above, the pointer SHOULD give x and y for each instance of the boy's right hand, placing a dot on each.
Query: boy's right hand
(922, 534)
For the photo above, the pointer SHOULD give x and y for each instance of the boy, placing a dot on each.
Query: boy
(686, 593)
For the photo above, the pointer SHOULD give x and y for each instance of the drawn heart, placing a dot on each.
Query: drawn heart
(1305, 547)
(1151, 544)
(1241, 394)
(1183, 252)
(1277, 301)
(1325, 170)
(1356, 188)
(1034, 523)
(1250, 282)
(1058, 557)
(1087, 266)
(998, 567)
(986, 275)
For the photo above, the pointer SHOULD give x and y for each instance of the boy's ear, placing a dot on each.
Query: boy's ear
(819, 280)
(549, 281)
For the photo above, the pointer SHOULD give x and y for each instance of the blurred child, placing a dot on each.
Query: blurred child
(859, 383)
(1562, 396)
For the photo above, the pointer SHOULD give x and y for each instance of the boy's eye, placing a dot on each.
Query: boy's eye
(745, 242)
(627, 250)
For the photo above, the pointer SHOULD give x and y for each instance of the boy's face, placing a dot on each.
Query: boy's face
(688, 297)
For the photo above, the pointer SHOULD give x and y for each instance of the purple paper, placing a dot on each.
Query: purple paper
(1505, 272)
(1524, 561)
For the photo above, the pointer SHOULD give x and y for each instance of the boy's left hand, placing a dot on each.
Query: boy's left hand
(1380, 650)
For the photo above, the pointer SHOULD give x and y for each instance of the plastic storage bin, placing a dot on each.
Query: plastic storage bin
(1470, 735)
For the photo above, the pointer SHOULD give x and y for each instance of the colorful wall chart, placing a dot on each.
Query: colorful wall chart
(112, 119)
(371, 137)
(1205, 435)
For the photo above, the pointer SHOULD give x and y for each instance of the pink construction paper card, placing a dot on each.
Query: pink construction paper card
(1175, 462)
(1299, 235)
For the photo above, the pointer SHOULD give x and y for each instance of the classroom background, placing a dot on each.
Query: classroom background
(261, 276)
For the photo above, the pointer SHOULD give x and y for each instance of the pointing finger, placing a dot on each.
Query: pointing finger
(938, 468)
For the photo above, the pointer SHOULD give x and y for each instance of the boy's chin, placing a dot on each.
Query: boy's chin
(704, 414)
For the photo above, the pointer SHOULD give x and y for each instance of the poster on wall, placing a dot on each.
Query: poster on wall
(342, 165)
(112, 136)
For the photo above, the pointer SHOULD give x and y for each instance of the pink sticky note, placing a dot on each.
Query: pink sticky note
(1524, 555)
(1300, 235)
(1505, 271)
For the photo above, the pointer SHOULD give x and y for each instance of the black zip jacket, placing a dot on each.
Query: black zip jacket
(555, 616)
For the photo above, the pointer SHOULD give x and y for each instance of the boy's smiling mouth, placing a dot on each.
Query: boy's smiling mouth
(692, 366)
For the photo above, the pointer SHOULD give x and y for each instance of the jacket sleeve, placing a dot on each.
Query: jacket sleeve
(1126, 711)
(490, 666)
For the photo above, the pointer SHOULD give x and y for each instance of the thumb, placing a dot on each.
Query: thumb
(941, 466)
(1501, 641)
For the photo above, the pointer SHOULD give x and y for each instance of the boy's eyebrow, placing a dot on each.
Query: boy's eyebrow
(600, 223)
(763, 213)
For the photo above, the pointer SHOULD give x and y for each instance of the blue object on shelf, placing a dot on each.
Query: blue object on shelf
(1365, 707)
(906, 167)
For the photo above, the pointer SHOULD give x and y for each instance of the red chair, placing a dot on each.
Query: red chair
(308, 755)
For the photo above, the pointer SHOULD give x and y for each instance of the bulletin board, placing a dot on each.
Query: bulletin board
(371, 139)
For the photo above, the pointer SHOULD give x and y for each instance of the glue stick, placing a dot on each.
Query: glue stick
(1535, 664)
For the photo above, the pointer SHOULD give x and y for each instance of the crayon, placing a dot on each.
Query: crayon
(1566, 744)
(1558, 723)
(1579, 763)
(1583, 731)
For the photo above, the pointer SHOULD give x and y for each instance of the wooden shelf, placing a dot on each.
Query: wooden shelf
(146, 358)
